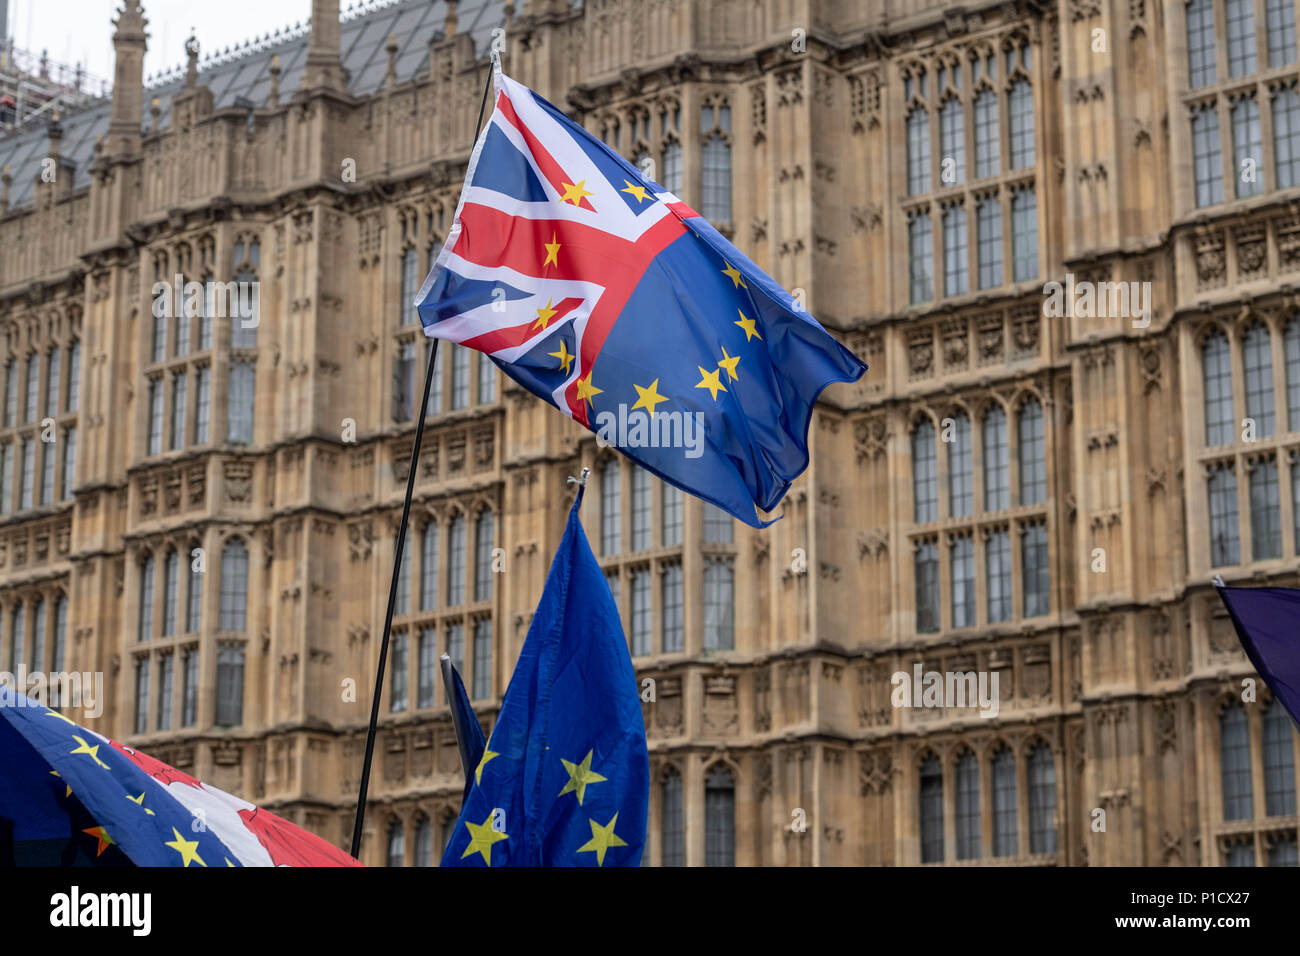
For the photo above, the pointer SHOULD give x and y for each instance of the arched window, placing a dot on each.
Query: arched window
(1005, 834)
(1020, 112)
(1207, 155)
(1200, 43)
(719, 605)
(672, 168)
(171, 581)
(720, 818)
(997, 490)
(1291, 350)
(1234, 760)
(459, 376)
(230, 685)
(715, 164)
(1247, 147)
(396, 844)
(52, 385)
(997, 564)
(920, 257)
(1225, 543)
(402, 604)
(482, 684)
(234, 586)
(146, 599)
(988, 227)
(244, 317)
(671, 521)
(1239, 17)
(925, 479)
(955, 264)
(448, 831)
(424, 842)
(239, 405)
(60, 634)
(1216, 366)
(966, 775)
(918, 151)
(988, 153)
(407, 313)
(926, 570)
(1257, 352)
(961, 567)
(484, 542)
(456, 561)
(11, 394)
(74, 376)
(37, 662)
(1279, 761)
(672, 836)
(718, 527)
(931, 796)
(194, 594)
(1286, 132)
(429, 567)
(611, 515)
(1024, 234)
(1041, 773)
(641, 509)
(1033, 453)
(952, 141)
(397, 676)
(142, 694)
(961, 478)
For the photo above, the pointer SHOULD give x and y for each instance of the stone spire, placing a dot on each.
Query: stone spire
(129, 44)
(324, 66)
(191, 61)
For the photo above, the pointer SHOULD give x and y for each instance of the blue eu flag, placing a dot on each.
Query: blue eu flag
(1268, 623)
(565, 778)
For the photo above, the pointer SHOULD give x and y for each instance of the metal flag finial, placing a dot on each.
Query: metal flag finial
(581, 479)
(1218, 581)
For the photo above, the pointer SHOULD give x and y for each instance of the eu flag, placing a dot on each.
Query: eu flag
(605, 295)
(1268, 623)
(469, 732)
(565, 778)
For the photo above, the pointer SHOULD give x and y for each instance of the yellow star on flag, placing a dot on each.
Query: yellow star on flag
(649, 397)
(711, 382)
(481, 838)
(100, 834)
(85, 748)
(732, 273)
(587, 391)
(575, 193)
(563, 355)
(637, 191)
(55, 713)
(751, 331)
(729, 362)
(552, 252)
(188, 849)
(57, 774)
(478, 771)
(140, 801)
(602, 838)
(580, 774)
(544, 315)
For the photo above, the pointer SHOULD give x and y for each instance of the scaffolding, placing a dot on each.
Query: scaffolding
(33, 87)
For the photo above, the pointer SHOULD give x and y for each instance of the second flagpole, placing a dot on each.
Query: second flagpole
(359, 824)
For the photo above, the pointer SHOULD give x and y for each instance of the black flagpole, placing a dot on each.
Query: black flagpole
(401, 543)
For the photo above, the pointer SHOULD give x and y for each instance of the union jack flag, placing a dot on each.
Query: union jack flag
(605, 294)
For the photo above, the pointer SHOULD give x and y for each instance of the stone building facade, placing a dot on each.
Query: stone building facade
(206, 512)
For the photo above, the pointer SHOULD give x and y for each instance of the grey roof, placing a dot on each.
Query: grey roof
(245, 74)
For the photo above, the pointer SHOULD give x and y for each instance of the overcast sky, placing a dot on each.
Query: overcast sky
(81, 30)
